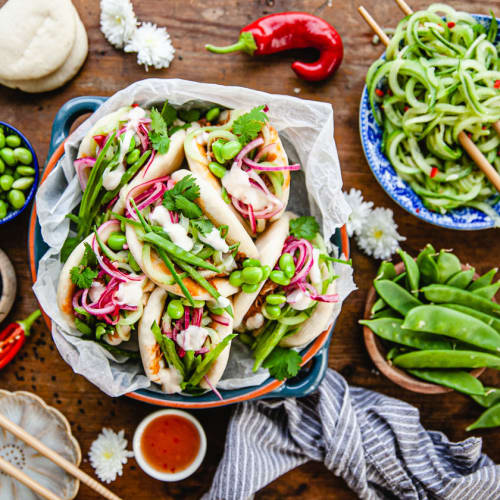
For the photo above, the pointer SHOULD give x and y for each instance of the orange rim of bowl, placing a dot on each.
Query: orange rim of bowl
(258, 392)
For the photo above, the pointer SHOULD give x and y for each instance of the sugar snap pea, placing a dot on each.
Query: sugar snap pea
(396, 296)
(452, 323)
(462, 279)
(485, 318)
(490, 397)
(449, 294)
(391, 329)
(266, 342)
(483, 280)
(386, 271)
(490, 418)
(459, 380)
(488, 292)
(441, 358)
(412, 272)
(448, 264)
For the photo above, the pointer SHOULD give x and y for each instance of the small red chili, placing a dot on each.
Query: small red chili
(379, 92)
(434, 172)
(406, 108)
(451, 24)
(13, 337)
(291, 30)
(497, 84)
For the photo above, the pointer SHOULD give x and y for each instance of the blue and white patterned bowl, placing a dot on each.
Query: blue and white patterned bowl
(371, 138)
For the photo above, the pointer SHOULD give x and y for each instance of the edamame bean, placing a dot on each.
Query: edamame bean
(23, 155)
(458, 380)
(490, 418)
(485, 318)
(133, 156)
(13, 141)
(23, 183)
(447, 265)
(7, 155)
(392, 329)
(273, 312)
(455, 324)
(16, 199)
(116, 241)
(396, 296)
(275, 299)
(225, 196)
(386, 271)
(217, 169)
(235, 278)
(251, 263)
(483, 280)
(6, 182)
(175, 309)
(266, 271)
(2, 166)
(131, 146)
(412, 272)
(196, 303)
(488, 292)
(252, 275)
(2, 140)
(100, 331)
(250, 288)
(217, 150)
(212, 114)
(490, 397)
(461, 279)
(25, 171)
(287, 265)
(449, 294)
(279, 278)
(3, 209)
(230, 149)
(447, 359)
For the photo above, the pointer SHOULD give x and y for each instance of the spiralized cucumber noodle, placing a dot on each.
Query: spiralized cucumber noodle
(441, 75)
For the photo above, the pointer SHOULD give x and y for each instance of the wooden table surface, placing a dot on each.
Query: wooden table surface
(191, 24)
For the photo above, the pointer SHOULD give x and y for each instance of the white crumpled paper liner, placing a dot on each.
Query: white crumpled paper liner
(306, 128)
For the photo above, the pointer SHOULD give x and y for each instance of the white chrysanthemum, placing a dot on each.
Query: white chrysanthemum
(379, 236)
(153, 46)
(118, 21)
(360, 211)
(108, 453)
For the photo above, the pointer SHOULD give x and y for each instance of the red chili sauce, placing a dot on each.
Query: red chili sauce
(170, 443)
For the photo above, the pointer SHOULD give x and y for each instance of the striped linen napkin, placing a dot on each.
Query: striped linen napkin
(376, 443)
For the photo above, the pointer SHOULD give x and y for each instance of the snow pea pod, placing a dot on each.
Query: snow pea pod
(488, 292)
(428, 269)
(490, 418)
(441, 358)
(444, 293)
(391, 329)
(378, 305)
(386, 271)
(412, 272)
(485, 318)
(396, 296)
(461, 279)
(490, 397)
(455, 324)
(483, 280)
(399, 278)
(386, 313)
(458, 380)
(448, 264)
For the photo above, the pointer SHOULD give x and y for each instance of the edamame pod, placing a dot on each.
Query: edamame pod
(396, 296)
(490, 397)
(441, 358)
(490, 418)
(485, 318)
(458, 380)
(448, 264)
(461, 279)
(483, 280)
(455, 324)
(412, 272)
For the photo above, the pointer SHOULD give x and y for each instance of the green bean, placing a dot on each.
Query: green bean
(447, 359)
(23, 155)
(445, 293)
(490, 397)
(25, 171)
(396, 296)
(23, 183)
(212, 114)
(412, 272)
(483, 280)
(386, 271)
(488, 292)
(13, 141)
(7, 155)
(16, 199)
(461, 279)
(485, 318)
(458, 380)
(452, 323)
(490, 418)
(170, 266)
(448, 264)
(391, 329)
(266, 342)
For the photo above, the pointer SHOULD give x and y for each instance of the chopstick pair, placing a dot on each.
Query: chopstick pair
(472, 150)
(70, 468)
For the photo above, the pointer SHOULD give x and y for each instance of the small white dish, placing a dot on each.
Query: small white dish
(169, 476)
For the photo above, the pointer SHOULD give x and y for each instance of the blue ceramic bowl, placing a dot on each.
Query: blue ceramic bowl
(25, 143)
(308, 379)
(371, 138)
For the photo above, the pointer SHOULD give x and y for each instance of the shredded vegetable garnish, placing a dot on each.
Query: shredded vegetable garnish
(438, 79)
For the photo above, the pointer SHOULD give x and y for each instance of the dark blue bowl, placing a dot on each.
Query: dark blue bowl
(29, 197)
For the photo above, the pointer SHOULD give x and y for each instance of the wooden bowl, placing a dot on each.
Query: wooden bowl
(377, 351)
(8, 285)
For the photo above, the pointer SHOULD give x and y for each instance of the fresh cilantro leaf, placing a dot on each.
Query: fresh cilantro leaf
(83, 278)
(187, 187)
(204, 226)
(189, 115)
(248, 126)
(68, 246)
(182, 196)
(188, 208)
(158, 124)
(283, 363)
(304, 227)
(160, 142)
(168, 113)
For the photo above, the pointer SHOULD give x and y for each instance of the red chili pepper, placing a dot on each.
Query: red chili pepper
(497, 84)
(13, 337)
(379, 92)
(291, 30)
(434, 171)
(451, 24)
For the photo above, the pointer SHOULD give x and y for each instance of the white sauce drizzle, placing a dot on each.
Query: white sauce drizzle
(192, 338)
(178, 234)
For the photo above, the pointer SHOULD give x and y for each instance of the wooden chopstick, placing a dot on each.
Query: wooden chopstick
(70, 468)
(23, 478)
(472, 150)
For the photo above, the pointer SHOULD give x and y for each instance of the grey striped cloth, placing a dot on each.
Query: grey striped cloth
(376, 443)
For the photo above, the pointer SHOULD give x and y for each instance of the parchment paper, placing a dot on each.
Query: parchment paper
(306, 128)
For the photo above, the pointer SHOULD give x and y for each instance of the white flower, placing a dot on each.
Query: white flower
(108, 453)
(360, 211)
(153, 46)
(118, 21)
(378, 236)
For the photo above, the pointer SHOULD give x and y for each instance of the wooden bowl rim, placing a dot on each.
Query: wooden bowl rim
(376, 349)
